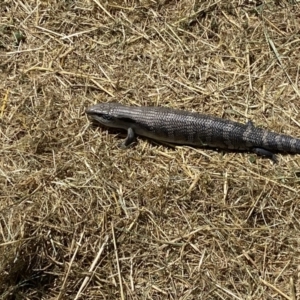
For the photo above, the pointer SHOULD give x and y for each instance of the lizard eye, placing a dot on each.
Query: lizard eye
(106, 117)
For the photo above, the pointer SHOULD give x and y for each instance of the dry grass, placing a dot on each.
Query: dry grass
(81, 218)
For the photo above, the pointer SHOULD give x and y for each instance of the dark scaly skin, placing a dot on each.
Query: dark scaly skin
(189, 128)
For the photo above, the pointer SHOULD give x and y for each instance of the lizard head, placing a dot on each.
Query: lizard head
(109, 114)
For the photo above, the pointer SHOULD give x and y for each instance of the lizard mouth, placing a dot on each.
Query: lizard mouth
(93, 119)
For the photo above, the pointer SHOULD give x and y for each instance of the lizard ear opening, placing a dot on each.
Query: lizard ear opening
(128, 120)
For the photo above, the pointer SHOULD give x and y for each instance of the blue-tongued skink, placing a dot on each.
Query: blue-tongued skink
(174, 126)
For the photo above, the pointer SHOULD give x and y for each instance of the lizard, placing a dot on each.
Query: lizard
(180, 127)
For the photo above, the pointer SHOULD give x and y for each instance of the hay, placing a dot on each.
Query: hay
(81, 218)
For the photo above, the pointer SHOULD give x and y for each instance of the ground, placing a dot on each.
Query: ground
(81, 218)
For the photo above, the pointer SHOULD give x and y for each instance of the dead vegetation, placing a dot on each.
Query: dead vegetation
(81, 218)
